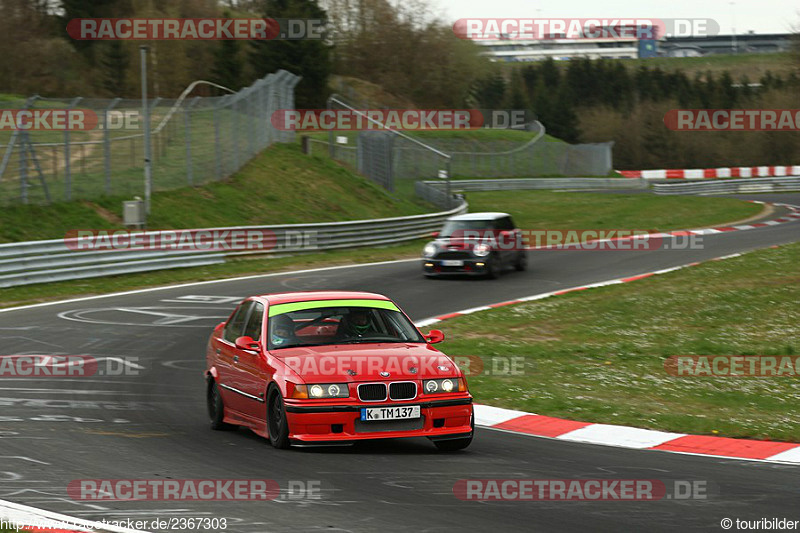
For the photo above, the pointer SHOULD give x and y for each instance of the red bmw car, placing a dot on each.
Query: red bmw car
(331, 368)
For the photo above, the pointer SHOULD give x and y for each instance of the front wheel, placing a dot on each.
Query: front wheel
(453, 445)
(277, 425)
(522, 262)
(492, 267)
(216, 409)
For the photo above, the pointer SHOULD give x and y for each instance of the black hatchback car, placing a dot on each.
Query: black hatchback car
(475, 244)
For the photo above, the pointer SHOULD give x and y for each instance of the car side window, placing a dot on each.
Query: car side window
(233, 330)
(253, 328)
(505, 223)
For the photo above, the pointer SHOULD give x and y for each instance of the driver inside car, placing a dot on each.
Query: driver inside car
(356, 324)
(283, 331)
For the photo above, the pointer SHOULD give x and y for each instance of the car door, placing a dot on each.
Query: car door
(252, 368)
(227, 356)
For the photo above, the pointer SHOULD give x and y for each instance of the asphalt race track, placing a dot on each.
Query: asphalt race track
(154, 425)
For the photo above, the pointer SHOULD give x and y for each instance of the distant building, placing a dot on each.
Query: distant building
(747, 43)
(517, 50)
(559, 49)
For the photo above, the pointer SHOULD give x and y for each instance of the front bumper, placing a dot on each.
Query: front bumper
(341, 422)
(470, 267)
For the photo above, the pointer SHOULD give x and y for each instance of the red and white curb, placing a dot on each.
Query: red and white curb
(790, 217)
(635, 438)
(712, 173)
(41, 521)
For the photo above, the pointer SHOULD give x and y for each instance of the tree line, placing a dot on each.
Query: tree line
(409, 51)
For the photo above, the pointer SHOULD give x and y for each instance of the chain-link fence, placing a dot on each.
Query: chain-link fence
(194, 140)
(386, 157)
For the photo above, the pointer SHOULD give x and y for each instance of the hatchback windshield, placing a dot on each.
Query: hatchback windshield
(339, 325)
(455, 227)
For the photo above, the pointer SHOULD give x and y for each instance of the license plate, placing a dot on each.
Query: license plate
(390, 412)
(452, 263)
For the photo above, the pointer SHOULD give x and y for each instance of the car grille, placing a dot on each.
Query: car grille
(453, 254)
(404, 390)
(372, 392)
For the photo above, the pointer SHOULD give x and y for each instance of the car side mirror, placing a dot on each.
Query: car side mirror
(434, 337)
(219, 326)
(246, 343)
(434, 235)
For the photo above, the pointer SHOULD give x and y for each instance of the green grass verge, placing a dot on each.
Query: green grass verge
(554, 210)
(598, 355)
(280, 186)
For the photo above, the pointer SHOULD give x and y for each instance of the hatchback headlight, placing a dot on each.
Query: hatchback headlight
(481, 250)
(429, 250)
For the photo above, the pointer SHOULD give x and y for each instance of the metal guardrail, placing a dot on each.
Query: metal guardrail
(53, 260)
(429, 189)
(728, 186)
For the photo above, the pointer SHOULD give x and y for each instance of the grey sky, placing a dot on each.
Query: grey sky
(761, 16)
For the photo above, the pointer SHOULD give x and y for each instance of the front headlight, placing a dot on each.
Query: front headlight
(328, 390)
(429, 250)
(439, 386)
(481, 250)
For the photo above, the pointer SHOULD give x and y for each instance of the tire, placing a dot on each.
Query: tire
(277, 425)
(521, 264)
(492, 268)
(216, 409)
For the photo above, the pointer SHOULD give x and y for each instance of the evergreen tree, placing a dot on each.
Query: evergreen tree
(228, 65)
(115, 63)
(308, 57)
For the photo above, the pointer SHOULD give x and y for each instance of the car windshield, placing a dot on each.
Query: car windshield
(455, 227)
(320, 326)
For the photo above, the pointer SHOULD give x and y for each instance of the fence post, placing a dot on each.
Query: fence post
(187, 113)
(252, 115)
(217, 147)
(271, 108)
(449, 195)
(235, 126)
(23, 168)
(107, 144)
(68, 157)
(159, 152)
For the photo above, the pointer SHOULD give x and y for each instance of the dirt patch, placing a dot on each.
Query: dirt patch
(104, 213)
